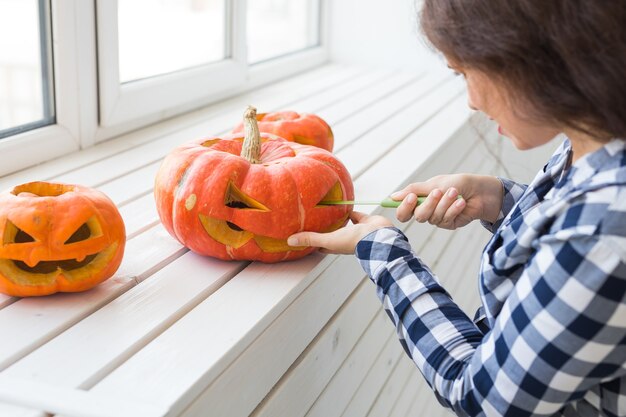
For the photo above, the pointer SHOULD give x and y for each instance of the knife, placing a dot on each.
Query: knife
(387, 202)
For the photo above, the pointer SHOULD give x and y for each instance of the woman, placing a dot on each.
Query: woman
(550, 337)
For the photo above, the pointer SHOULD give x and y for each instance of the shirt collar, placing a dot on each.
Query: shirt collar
(605, 165)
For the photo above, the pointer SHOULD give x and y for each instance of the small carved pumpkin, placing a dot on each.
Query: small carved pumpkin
(57, 238)
(232, 198)
(303, 128)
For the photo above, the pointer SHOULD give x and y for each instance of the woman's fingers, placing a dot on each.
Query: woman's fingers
(418, 188)
(424, 211)
(405, 211)
(342, 240)
(453, 212)
(444, 204)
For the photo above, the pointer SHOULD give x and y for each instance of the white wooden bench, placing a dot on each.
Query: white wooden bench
(177, 334)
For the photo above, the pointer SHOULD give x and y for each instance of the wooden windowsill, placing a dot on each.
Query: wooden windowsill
(174, 333)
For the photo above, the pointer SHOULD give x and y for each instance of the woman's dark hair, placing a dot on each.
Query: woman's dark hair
(566, 58)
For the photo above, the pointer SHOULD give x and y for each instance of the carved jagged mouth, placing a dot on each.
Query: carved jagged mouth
(46, 267)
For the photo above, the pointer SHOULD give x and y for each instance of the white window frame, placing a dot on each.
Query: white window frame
(90, 107)
(165, 94)
(75, 105)
(121, 103)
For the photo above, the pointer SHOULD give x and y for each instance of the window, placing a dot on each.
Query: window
(162, 55)
(150, 35)
(95, 69)
(25, 76)
(279, 27)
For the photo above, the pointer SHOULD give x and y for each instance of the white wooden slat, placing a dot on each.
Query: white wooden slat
(360, 154)
(336, 113)
(403, 403)
(132, 186)
(424, 398)
(366, 117)
(72, 403)
(392, 389)
(373, 382)
(465, 293)
(266, 362)
(139, 215)
(106, 338)
(316, 103)
(6, 300)
(109, 148)
(425, 404)
(31, 322)
(336, 395)
(431, 407)
(148, 253)
(9, 410)
(182, 361)
(297, 390)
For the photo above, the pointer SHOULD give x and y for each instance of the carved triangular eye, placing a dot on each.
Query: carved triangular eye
(235, 198)
(82, 233)
(13, 234)
(23, 237)
(334, 194)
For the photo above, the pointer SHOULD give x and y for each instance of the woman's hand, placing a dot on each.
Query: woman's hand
(482, 200)
(343, 240)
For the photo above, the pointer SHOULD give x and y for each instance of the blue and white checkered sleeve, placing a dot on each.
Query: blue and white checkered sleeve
(513, 191)
(563, 317)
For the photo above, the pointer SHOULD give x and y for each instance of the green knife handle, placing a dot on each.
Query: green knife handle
(389, 203)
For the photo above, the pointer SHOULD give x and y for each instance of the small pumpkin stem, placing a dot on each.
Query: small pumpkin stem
(251, 149)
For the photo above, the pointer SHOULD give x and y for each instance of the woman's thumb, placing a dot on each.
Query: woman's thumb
(303, 239)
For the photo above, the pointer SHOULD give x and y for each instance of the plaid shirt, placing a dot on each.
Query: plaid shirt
(550, 337)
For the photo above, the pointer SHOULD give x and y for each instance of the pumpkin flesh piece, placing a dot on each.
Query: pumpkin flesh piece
(220, 231)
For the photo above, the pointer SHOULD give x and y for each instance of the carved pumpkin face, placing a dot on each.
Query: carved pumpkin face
(217, 203)
(57, 238)
(303, 128)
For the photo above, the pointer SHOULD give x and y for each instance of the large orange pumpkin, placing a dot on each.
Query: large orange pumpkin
(233, 200)
(57, 238)
(303, 128)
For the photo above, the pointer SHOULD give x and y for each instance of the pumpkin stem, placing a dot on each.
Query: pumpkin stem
(251, 149)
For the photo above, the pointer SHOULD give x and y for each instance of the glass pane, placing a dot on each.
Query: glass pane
(25, 80)
(161, 36)
(278, 27)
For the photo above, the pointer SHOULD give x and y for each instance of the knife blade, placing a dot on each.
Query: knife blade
(387, 202)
